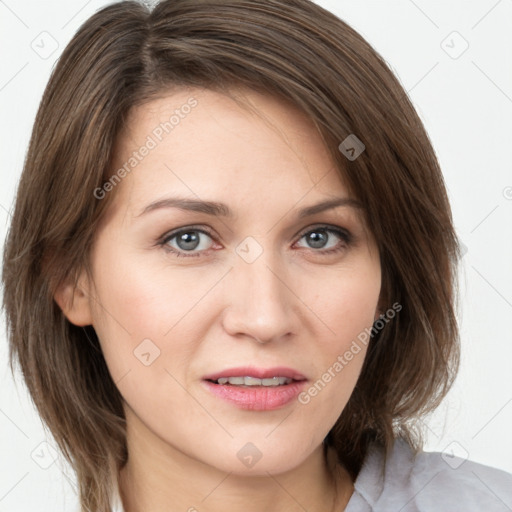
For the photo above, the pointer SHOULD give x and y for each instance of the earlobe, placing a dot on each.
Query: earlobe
(74, 303)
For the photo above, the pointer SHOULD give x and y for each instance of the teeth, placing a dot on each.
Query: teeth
(253, 381)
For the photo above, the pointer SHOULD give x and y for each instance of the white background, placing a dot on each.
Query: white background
(466, 105)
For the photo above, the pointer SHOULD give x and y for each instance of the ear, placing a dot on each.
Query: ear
(74, 301)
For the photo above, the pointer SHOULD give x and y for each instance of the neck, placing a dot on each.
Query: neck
(160, 478)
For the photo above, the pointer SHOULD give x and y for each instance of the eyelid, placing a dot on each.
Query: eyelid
(343, 233)
(201, 228)
(175, 232)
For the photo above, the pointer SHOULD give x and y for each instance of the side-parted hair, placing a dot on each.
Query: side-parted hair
(126, 55)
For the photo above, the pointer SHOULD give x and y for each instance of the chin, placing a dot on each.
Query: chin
(261, 456)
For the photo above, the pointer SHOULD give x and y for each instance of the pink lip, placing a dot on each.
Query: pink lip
(257, 398)
(259, 373)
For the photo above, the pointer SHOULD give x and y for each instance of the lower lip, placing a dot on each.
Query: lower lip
(257, 398)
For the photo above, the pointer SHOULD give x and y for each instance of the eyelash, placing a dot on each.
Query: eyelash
(345, 236)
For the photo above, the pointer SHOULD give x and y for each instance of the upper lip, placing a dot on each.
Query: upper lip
(259, 373)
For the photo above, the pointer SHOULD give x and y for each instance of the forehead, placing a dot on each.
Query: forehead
(242, 148)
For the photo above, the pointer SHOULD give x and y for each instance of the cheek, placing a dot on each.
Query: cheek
(144, 307)
(345, 302)
(131, 305)
(347, 310)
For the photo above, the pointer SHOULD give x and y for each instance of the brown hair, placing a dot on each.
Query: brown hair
(125, 55)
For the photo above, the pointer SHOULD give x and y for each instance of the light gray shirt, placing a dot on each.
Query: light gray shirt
(427, 482)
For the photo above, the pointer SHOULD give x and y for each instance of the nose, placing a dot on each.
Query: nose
(260, 303)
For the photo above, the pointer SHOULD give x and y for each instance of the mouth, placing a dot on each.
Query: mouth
(256, 389)
(252, 381)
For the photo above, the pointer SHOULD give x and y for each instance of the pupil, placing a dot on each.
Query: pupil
(318, 239)
(190, 240)
(187, 241)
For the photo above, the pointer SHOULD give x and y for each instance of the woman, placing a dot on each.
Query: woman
(230, 275)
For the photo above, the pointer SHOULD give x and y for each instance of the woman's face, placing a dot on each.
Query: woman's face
(186, 292)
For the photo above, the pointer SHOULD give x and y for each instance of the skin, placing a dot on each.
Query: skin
(294, 306)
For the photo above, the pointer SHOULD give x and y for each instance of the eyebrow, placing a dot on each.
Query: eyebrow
(222, 210)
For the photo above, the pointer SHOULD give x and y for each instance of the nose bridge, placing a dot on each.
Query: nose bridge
(261, 305)
(262, 282)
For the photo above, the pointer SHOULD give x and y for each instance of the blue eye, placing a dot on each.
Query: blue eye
(320, 236)
(192, 242)
(186, 240)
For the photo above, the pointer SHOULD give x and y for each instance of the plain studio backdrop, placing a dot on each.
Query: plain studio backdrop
(453, 58)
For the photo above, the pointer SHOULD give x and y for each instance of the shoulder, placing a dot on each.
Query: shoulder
(406, 481)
